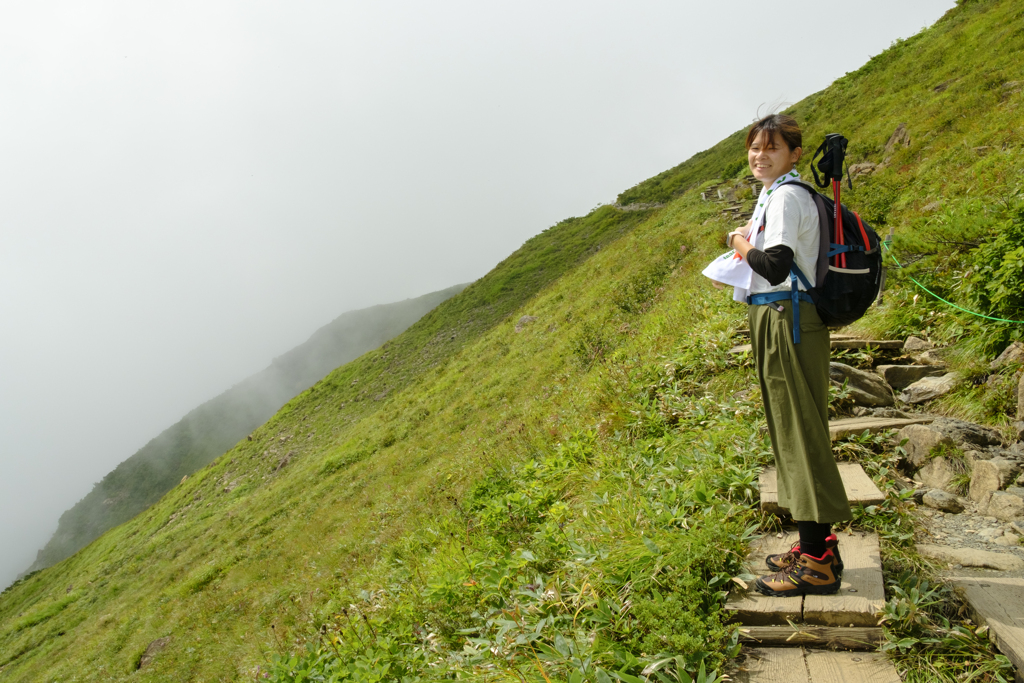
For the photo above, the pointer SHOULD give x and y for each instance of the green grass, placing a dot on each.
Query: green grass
(568, 501)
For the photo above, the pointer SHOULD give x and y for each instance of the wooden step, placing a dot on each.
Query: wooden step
(839, 429)
(998, 602)
(882, 344)
(860, 490)
(837, 341)
(860, 597)
(824, 637)
(796, 665)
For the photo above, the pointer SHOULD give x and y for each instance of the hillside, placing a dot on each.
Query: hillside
(209, 430)
(552, 475)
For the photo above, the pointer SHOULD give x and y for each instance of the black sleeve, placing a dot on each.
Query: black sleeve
(772, 264)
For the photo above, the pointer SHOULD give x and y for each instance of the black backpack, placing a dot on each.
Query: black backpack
(849, 268)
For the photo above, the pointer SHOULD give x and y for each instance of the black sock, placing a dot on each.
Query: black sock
(812, 537)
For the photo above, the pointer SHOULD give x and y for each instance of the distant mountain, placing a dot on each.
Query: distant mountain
(221, 422)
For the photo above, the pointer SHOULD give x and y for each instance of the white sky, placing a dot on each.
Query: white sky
(189, 189)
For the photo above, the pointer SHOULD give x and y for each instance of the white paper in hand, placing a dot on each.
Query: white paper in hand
(730, 269)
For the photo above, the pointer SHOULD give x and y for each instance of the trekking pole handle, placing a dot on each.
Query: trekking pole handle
(836, 144)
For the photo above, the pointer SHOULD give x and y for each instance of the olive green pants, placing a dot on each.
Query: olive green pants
(794, 387)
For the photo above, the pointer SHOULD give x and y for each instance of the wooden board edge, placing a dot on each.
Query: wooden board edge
(860, 638)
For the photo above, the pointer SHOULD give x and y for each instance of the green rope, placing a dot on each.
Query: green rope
(949, 303)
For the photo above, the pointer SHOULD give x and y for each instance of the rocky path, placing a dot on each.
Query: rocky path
(968, 486)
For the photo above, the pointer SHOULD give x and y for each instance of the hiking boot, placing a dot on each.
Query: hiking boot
(806, 576)
(780, 561)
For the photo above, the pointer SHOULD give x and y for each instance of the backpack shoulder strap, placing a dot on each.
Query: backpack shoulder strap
(825, 238)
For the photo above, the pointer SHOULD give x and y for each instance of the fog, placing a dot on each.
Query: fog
(190, 189)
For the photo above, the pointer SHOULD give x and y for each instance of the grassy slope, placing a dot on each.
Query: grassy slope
(212, 428)
(257, 549)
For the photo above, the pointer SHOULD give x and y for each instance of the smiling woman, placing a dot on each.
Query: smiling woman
(792, 368)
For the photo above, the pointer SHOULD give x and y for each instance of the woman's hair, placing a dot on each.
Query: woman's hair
(785, 126)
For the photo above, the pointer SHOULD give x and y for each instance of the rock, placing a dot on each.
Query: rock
(524, 321)
(940, 500)
(900, 137)
(866, 388)
(1008, 539)
(866, 168)
(1017, 526)
(1019, 429)
(921, 441)
(1017, 491)
(1005, 506)
(152, 650)
(929, 358)
(968, 557)
(972, 456)
(990, 476)
(936, 473)
(990, 534)
(917, 344)
(888, 412)
(1014, 353)
(930, 388)
(1020, 398)
(902, 376)
(967, 433)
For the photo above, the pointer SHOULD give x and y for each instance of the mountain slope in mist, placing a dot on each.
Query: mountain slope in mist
(209, 430)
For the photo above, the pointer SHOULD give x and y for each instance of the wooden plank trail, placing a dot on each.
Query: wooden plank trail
(847, 621)
(838, 429)
(827, 637)
(840, 341)
(861, 595)
(797, 665)
(998, 602)
(860, 490)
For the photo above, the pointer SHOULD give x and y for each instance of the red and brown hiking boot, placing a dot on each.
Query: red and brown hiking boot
(780, 561)
(806, 576)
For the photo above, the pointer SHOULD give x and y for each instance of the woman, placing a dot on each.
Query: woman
(793, 374)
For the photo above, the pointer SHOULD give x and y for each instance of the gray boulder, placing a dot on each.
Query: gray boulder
(990, 476)
(866, 388)
(1009, 539)
(917, 344)
(1004, 506)
(967, 433)
(940, 500)
(936, 473)
(930, 388)
(969, 557)
(929, 358)
(902, 376)
(1014, 353)
(1020, 398)
(1018, 427)
(921, 441)
(1017, 491)
(152, 650)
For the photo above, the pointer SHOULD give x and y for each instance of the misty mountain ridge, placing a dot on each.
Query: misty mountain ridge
(213, 427)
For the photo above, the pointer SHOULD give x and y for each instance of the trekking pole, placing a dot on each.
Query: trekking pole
(885, 269)
(833, 151)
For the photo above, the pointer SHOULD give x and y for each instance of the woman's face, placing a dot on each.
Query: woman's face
(770, 161)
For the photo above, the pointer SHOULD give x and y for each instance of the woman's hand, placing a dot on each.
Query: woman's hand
(737, 240)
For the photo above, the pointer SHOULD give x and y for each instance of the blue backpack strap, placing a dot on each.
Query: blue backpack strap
(794, 295)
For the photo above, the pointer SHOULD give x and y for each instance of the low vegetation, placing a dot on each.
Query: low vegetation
(572, 500)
